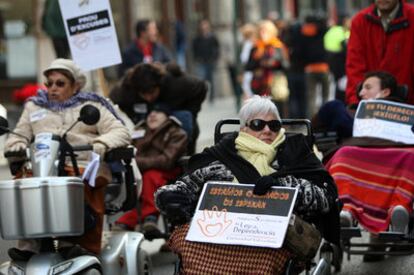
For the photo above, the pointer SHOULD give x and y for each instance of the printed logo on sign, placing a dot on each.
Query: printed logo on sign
(89, 22)
(81, 41)
(214, 222)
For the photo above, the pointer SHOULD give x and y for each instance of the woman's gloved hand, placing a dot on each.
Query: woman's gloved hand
(175, 204)
(100, 149)
(264, 184)
(18, 146)
(311, 199)
(213, 171)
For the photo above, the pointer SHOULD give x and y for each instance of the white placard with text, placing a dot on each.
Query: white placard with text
(91, 33)
(229, 213)
(384, 119)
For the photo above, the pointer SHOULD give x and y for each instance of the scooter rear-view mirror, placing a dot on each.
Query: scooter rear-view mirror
(4, 129)
(89, 115)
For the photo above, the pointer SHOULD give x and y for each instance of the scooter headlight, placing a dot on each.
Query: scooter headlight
(61, 267)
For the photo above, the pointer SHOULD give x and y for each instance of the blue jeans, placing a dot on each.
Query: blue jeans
(206, 71)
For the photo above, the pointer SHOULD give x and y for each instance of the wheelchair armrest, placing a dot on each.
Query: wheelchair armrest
(112, 204)
(126, 155)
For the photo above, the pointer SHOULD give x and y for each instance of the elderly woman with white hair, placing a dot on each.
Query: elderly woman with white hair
(54, 111)
(260, 153)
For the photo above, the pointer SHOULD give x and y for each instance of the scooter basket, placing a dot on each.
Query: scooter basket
(41, 207)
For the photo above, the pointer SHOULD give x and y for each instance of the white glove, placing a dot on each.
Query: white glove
(100, 149)
(19, 146)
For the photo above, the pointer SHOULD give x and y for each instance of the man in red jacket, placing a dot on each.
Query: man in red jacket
(382, 38)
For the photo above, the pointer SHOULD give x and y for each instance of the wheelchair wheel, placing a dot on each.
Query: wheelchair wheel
(326, 253)
(332, 254)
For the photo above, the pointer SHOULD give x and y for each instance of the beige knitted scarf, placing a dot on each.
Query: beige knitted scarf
(257, 152)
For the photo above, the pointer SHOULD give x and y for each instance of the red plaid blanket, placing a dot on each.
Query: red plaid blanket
(371, 181)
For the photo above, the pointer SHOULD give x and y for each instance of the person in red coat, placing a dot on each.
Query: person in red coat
(382, 38)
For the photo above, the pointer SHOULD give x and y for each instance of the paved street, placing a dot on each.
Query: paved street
(163, 262)
(210, 114)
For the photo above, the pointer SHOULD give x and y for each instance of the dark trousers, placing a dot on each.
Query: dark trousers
(297, 98)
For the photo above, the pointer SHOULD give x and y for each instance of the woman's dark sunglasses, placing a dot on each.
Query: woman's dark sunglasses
(259, 124)
(58, 83)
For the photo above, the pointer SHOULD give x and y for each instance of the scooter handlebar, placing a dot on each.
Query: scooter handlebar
(18, 154)
(86, 147)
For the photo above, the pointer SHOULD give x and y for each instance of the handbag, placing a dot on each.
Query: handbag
(302, 238)
(279, 87)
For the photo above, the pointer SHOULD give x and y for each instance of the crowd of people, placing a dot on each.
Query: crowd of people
(285, 71)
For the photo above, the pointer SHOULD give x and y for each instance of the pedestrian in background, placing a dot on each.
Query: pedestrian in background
(145, 48)
(267, 60)
(180, 44)
(206, 51)
(382, 38)
(249, 34)
(316, 66)
(296, 72)
(335, 42)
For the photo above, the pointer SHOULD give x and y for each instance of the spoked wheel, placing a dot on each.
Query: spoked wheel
(332, 255)
(144, 263)
(326, 252)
